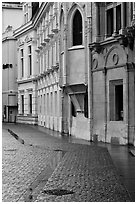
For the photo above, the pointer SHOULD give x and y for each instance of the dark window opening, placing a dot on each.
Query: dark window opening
(30, 103)
(73, 110)
(110, 27)
(22, 64)
(86, 105)
(116, 100)
(77, 29)
(30, 64)
(22, 101)
(118, 18)
(131, 11)
(119, 102)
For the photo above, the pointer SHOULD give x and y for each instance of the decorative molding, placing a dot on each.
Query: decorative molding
(96, 47)
(20, 42)
(115, 58)
(95, 63)
(28, 39)
(46, 40)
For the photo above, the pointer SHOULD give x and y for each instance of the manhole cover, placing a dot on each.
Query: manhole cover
(58, 192)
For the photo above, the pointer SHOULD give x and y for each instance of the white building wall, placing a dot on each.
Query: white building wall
(10, 12)
(49, 96)
(27, 84)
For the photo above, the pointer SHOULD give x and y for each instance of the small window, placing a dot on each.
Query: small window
(116, 100)
(77, 29)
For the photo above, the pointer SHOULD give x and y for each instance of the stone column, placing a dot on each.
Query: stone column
(105, 22)
(123, 16)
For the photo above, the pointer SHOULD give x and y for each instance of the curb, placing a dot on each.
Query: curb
(16, 136)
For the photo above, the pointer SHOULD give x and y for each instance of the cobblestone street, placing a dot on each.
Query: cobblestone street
(45, 168)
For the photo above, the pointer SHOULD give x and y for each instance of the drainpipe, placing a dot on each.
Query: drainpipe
(90, 78)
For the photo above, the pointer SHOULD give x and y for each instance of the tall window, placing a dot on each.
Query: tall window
(77, 28)
(110, 27)
(22, 103)
(30, 103)
(22, 63)
(116, 100)
(115, 18)
(118, 18)
(29, 60)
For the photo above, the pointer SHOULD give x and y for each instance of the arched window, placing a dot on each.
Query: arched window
(77, 28)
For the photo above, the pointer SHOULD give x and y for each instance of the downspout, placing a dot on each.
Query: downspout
(90, 78)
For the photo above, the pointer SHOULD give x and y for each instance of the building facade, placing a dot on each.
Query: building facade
(39, 94)
(75, 36)
(10, 11)
(28, 66)
(49, 91)
(82, 76)
(113, 72)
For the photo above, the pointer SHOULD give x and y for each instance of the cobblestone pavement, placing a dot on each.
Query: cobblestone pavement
(47, 168)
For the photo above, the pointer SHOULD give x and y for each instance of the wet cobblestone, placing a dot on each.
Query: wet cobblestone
(87, 171)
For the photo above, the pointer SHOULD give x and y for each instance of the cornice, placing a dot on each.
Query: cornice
(28, 80)
(23, 29)
(33, 23)
(8, 38)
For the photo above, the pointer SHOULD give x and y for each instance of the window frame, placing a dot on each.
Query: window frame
(74, 34)
(30, 59)
(114, 6)
(113, 116)
(70, 22)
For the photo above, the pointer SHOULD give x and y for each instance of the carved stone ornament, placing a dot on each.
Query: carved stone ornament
(27, 39)
(20, 42)
(95, 63)
(115, 59)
